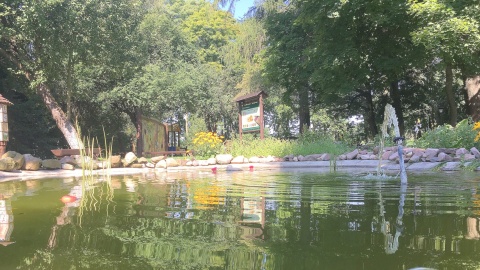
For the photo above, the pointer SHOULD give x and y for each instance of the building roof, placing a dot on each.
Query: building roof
(251, 95)
(5, 101)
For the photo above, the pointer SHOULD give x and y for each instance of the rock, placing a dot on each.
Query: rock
(162, 164)
(17, 158)
(232, 168)
(150, 165)
(115, 161)
(257, 159)
(245, 160)
(7, 164)
(414, 159)
(195, 163)
(363, 157)
(387, 154)
(393, 156)
(67, 166)
(157, 159)
(130, 157)
(430, 153)
(68, 160)
(313, 157)
(171, 162)
(269, 159)
(475, 152)
(301, 158)
(137, 165)
(325, 157)
(237, 160)
(212, 161)
(31, 163)
(294, 159)
(443, 157)
(376, 149)
(286, 158)
(352, 155)
(468, 157)
(203, 163)
(51, 164)
(142, 160)
(224, 158)
(461, 152)
(342, 157)
(88, 162)
(182, 162)
(189, 163)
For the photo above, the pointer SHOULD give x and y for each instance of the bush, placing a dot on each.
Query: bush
(446, 136)
(207, 144)
(307, 144)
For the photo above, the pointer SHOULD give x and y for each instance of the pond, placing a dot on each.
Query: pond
(242, 220)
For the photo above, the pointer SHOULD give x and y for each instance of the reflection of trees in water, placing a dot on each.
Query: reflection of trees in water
(307, 223)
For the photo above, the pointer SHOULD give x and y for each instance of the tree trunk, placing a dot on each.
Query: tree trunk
(304, 110)
(397, 105)
(65, 125)
(139, 136)
(452, 105)
(472, 86)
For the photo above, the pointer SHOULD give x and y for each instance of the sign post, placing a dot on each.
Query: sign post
(250, 113)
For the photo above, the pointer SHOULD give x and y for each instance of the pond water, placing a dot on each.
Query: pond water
(242, 220)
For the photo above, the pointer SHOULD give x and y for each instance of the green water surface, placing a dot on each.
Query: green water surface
(242, 220)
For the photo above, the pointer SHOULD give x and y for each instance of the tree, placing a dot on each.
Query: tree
(449, 30)
(46, 40)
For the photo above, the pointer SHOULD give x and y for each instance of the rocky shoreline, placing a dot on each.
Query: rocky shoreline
(17, 166)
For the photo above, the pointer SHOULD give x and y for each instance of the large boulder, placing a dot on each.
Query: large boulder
(51, 164)
(162, 164)
(475, 152)
(115, 161)
(68, 160)
(238, 160)
(130, 158)
(352, 155)
(157, 159)
(31, 163)
(171, 162)
(212, 161)
(7, 164)
(224, 158)
(18, 158)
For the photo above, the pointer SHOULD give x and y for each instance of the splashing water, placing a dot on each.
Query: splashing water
(389, 120)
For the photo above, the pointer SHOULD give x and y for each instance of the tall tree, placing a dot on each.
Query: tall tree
(46, 40)
(449, 30)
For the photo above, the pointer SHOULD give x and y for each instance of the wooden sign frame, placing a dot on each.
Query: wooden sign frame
(250, 115)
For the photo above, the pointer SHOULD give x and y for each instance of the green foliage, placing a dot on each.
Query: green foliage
(446, 136)
(207, 144)
(307, 144)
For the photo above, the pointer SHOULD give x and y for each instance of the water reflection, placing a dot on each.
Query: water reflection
(244, 220)
(6, 220)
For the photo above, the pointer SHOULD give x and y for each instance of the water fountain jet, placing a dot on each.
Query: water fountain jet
(390, 119)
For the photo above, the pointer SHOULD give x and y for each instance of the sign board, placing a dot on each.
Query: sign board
(250, 113)
(251, 117)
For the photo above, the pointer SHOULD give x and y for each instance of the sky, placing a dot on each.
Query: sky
(241, 7)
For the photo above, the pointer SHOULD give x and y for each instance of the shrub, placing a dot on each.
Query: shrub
(446, 136)
(311, 143)
(207, 144)
(477, 127)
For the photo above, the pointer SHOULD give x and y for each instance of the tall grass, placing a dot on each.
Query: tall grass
(307, 144)
(90, 199)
